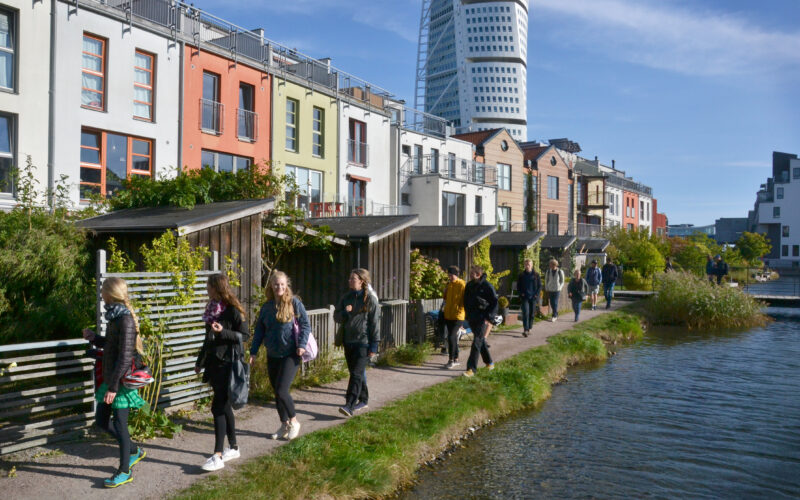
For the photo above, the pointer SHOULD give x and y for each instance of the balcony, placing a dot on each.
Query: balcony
(338, 207)
(247, 125)
(479, 218)
(447, 167)
(594, 201)
(589, 230)
(419, 121)
(357, 153)
(211, 113)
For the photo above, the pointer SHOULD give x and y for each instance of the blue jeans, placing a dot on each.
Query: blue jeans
(528, 312)
(608, 291)
(576, 306)
(554, 302)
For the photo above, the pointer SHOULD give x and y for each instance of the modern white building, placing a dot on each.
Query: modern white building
(24, 83)
(777, 211)
(117, 100)
(472, 64)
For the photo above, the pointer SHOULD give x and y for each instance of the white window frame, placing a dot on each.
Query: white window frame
(11, 153)
(12, 37)
(504, 176)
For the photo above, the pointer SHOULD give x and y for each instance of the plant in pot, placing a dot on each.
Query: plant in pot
(502, 304)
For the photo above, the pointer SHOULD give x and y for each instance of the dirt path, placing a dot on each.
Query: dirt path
(77, 470)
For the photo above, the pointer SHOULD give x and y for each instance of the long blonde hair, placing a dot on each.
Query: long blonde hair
(283, 303)
(117, 291)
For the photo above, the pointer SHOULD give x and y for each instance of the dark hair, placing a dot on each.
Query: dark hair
(453, 270)
(363, 275)
(219, 282)
(476, 269)
(609, 260)
(594, 261)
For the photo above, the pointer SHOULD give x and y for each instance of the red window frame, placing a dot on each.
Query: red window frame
(150, 87)
(129, 161)
(101, 74)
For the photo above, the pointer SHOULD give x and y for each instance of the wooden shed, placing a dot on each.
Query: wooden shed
(505, 250)
(380, 244)
(556, 247)
(452, 245)
(232, 228)
(588, 249)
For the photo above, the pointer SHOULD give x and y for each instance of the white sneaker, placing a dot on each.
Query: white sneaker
(553, 319)
(213, 463)
(281, 433)
(230, 454)
(294, 430)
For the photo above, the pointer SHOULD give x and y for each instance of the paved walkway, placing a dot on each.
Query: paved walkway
(173, 464)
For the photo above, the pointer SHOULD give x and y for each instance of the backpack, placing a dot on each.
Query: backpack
(311, 345)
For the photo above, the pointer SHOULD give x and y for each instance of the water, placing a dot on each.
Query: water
(679, 415)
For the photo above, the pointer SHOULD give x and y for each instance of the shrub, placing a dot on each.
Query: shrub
(428, 279)
(408, 354)
(502, 302)
(482, 258)
(635, 281)
(684, 299)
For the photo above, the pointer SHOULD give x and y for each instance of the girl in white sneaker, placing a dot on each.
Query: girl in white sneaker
(224, 320)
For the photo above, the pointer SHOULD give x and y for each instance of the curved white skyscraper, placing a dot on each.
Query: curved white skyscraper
(472, 63)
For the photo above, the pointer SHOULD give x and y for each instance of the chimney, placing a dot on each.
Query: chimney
(614, 164)
(596, 162)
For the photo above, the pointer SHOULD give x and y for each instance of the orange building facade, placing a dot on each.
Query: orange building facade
(630, 217)
(227, 113)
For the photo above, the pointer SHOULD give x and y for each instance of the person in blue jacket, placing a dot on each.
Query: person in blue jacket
(274, 328)
(593, 278)
(610, 275)
(529, 287)
(711, 269)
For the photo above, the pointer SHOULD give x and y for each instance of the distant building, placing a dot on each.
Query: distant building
(686, 230)
(660, 222)
(729, 229)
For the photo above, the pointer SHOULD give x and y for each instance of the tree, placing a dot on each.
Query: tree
(753, 246)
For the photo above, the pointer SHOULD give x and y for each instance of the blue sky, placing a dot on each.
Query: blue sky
(688, 96)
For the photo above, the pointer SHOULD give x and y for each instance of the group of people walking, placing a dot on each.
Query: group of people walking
(282, 327)
(716, 269)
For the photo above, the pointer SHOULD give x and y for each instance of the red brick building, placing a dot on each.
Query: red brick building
(659, 221)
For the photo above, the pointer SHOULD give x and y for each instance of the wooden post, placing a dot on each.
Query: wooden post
(215, 260)
(331, 329)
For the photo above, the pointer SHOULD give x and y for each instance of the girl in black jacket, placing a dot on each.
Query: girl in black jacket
(225, 330)
(120, 346)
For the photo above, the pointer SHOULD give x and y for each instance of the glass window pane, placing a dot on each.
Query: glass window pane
(6, 70)
(88, 191)
(116, 162)
(143, 61)
(92, 175)
(5, 134)
(142, 111)
(90, 139)
(141, 147)
(90, 98)
(92, 45)
(141, 76)
(5, 175)
(225, 162)
(92, 82)
(93, 63)
(316, 186)
(209, 86)
(140, 163)
(207, 159)
(6, 35)
(90, 156)
(242, 163)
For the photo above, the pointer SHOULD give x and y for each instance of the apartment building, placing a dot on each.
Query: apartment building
(660, 221)
(554, 202)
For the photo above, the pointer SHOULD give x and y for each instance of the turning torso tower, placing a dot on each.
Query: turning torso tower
(472, 63)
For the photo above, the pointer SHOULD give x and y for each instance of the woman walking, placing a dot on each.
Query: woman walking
(122, 346)
(529, 286)
(276, 329)
(553, 283)
(226, 330)
(359, 313)
(453, 310)
(577, 290)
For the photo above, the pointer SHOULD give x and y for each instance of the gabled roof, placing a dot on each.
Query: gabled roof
(532, 153)
(591, 245)
(478, 138)
(552, 242)
(449, 235)
(369, 228)
(521, 239)
(182, 220)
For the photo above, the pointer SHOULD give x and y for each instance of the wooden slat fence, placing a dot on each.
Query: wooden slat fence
(419, 328)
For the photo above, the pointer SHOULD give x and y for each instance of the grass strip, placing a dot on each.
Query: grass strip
(374, 454)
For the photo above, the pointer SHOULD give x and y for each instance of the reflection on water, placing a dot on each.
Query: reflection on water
(681, 414)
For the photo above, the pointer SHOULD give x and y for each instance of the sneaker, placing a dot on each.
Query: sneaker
(136, 457)
(118, 479)
(213, 463)
(553, 319)
(443, 351)
(525, 333)
(360, 406)
(294, 430)
(468, 373)
(490, 367)
(449, 365)
(280, 433)
(346, 411)
(230, 453)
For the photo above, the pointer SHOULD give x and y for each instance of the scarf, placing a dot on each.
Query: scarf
(115, 310)
(214, 310)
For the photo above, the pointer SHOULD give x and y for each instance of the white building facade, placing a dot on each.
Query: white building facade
(473, 64)
(778, 216)
(118, 100)
(24, 85)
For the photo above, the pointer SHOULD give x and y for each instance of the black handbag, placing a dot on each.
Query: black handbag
(240, 377)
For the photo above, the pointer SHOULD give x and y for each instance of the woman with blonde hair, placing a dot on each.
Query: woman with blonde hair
(359, 313)
(122, 347)
(285, 344)
(226, 331)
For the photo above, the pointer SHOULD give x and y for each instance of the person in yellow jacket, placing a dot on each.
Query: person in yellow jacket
(453, 313)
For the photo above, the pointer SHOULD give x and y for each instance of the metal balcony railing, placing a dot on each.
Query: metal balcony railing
(419, 121)
(247, 124)
(452, 168)
(357, 152)
(211, 113)
(589, 230)
(335, 206)
(478, 219)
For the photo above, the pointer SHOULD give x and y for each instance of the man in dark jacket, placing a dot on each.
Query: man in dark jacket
(720, 269)
(480, 306)
(610, 275)
(711, 269)
(593, 278)
(529, 286)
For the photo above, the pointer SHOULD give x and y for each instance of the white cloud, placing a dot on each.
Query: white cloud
(694, 42)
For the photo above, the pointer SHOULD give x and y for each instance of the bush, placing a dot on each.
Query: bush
(684, 299)
(428, 279)
(482, 258)
(409, 354)
(502, 302)
(633, 280)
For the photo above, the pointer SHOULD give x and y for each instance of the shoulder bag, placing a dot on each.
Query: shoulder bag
(240, 376)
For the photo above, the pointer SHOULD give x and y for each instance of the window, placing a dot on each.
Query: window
(552, 224)
(405, 199)
(780, 193)
(247, 119)
(6, 152)
(406, 150)
(776, 212)
(291, 124)
(224, 162)
(7, 49)
(309, 185)
(356, 197)
(143, 69)
(552, 187)
(785, 231)
(641, 210)
(357, 150)
(211, 108)
(451, 165)
(796, 173)
(434, 165)
(93, 69)
(452, 209)
(504, 218)
(504, 176)
(784, 250)
(107, 159)
(318, 128)
(795, 250)
(417, 159)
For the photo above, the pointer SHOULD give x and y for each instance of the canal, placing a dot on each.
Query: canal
(679, 415)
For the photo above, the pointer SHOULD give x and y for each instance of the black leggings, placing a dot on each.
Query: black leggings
(357, 357)
(281, 374)
(224, 421)
(452, 326)
(119, 429)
